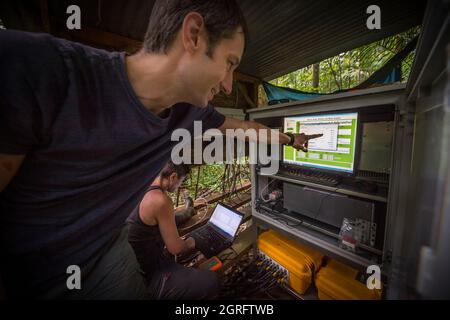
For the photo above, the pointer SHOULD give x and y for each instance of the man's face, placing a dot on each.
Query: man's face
(210, 75)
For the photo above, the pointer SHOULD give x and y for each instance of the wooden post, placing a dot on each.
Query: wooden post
(44, 15)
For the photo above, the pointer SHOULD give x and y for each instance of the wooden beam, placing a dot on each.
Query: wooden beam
(243, 91)
(201, 218)
(102, 38)
(219, 196)
(43, 4)
(256, 94)
(246, 78)
(251, 82)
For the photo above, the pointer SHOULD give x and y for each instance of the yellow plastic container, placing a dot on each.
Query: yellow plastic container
(337, 281)
(300, 261)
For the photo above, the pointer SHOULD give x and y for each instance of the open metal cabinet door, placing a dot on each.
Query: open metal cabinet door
(421, 248)
(434, 274)
(433, 278)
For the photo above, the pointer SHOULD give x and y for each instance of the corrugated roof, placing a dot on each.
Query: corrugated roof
(288, 35)
(285, 35)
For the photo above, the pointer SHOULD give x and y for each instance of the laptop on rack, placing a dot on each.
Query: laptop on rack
(220, 231)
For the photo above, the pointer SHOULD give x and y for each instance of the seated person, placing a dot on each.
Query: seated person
(151, 226)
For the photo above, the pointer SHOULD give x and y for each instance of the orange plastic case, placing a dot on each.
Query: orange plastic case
(337, 281)
(213, 263)
(301, 262)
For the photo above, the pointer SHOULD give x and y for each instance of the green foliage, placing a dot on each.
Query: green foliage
(212, 178)
(348, 69)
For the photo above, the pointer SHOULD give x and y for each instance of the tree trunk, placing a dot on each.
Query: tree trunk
(334, 73)
(315, 82)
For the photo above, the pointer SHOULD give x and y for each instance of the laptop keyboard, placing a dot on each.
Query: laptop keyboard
(208, 234)
(209, 242)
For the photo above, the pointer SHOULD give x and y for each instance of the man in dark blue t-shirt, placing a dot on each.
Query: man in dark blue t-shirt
(83, 130)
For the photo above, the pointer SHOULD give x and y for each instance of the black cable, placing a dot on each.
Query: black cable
(246, 280)
(283, 220)
(265, 277)
(226, 256)
(243, 287)
(274, 285)
(269, 295)
(266, 274)
(232, 249)
(320, 206)
(272, 282)
(258, 288)
(316, 214)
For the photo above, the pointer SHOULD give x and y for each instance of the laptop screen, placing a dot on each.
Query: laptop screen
(226, 220)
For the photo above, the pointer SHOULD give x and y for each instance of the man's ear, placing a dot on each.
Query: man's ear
(192, 30)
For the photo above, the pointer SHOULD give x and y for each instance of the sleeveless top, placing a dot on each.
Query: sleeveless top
(147, 243)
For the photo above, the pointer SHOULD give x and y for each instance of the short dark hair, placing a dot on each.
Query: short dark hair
(182, 170)
(221, 18)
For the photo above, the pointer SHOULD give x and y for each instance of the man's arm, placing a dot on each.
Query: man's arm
(9, 164)
(300, 139)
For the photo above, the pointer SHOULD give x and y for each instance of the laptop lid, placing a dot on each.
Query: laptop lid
(226, 220)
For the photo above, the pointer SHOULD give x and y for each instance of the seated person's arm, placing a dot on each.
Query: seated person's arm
(188, 206)
(179, 209)
(9, 164)
(182, 215)
(164, 214)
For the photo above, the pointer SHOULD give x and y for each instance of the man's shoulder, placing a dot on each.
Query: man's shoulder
(187, 110)
(32, 74)
(70, 48)
(33, 56)
(23, 38)
(20, 45)
(29, 46)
